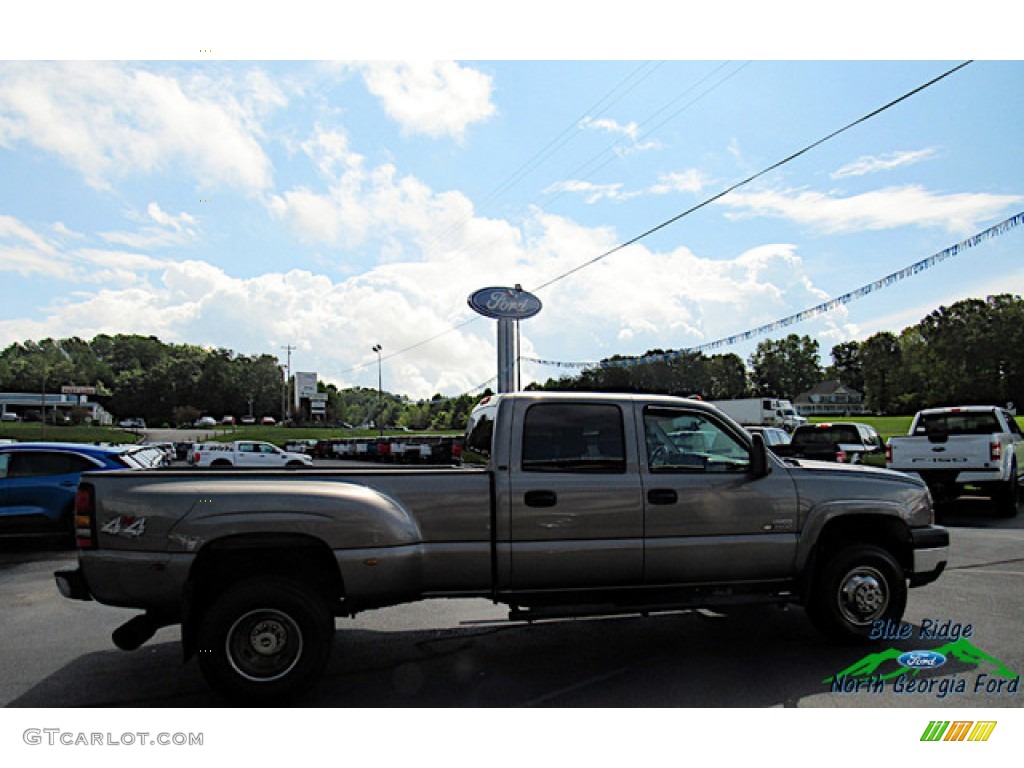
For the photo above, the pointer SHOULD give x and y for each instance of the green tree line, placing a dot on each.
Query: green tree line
(142, 377)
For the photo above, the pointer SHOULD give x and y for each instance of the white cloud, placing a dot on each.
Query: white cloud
(432, 98)
(868, 164)
(27, 253)
(959, 213)
(180, 223)
(158, 229)
(398, 218)
(110, 121)
(626, 131)
(592, 193)
(690, 180)
(24, 251)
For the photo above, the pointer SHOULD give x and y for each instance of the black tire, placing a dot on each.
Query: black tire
(221, 464)
(853, 589)
(265, 641)
(1007, 496)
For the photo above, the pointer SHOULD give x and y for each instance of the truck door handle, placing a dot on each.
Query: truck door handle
(662, 496)
(540, 498)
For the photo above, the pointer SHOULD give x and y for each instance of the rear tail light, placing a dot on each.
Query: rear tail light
(841, 456)
(85, 517)
(995, 451)
(888, 453)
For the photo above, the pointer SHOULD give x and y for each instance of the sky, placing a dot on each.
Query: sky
(222, 190)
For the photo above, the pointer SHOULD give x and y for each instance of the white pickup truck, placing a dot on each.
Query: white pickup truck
(951, 448)
(246, 454)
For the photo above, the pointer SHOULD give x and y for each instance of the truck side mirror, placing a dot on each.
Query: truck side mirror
(759, 466)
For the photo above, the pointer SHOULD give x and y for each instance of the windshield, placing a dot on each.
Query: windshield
(957, 423)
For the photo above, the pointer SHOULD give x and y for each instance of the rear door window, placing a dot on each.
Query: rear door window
(574, 437)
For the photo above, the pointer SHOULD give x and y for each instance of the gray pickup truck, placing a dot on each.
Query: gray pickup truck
(567, 505)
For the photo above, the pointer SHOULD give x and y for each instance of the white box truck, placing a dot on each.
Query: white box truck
(762, 412)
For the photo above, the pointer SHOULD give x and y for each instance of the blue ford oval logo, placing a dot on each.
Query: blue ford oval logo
(921, 659)
(505, 303)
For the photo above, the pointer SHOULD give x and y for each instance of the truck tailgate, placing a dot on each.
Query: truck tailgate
(953, 453)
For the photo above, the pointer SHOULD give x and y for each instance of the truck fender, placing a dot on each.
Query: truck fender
(835, 524)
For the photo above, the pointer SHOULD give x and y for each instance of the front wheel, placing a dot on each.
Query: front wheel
(265, 641)
(855, 588)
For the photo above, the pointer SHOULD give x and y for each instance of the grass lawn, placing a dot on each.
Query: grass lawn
(33, 430)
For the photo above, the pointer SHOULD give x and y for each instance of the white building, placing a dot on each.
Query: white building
(31, 405)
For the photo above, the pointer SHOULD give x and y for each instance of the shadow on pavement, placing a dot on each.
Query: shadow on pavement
(759, 657)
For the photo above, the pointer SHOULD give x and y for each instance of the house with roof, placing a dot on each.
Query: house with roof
(830, 398)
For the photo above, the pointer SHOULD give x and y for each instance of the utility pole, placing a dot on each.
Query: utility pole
(285, 406)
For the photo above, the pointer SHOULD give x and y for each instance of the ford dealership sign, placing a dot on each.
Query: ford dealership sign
(505, 303)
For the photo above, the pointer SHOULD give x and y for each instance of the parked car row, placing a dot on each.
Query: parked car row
(230, 421)
(203, 422)
(404, 449)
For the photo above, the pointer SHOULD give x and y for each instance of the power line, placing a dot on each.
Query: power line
(744, 182)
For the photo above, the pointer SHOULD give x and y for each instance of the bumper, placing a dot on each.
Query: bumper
(72, 585)
(930, 548)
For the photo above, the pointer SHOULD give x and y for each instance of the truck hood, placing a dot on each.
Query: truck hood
(830, 467)
(843, 488)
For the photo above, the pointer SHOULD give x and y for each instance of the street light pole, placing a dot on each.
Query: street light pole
(380, 389)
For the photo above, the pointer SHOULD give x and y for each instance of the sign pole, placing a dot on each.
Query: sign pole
(506, 356)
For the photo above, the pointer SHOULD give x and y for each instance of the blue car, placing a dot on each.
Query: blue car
(38, 481)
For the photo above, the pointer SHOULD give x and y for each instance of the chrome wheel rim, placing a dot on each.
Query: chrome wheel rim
(863, 595)
(264, 645)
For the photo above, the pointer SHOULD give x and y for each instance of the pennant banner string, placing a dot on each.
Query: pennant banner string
(821, 309)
